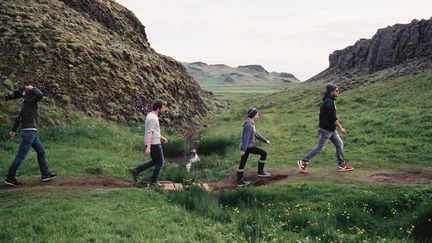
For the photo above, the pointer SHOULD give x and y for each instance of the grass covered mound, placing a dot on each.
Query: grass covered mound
(92, 56)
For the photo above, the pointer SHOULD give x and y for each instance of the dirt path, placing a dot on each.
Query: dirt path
(73, 182)
(416, 175)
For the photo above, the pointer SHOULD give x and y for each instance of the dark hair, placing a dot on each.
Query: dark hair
(157, 104)
(251, 112)
(330, 88)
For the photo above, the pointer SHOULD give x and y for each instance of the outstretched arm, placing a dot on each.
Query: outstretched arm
(261, 138)
(338, 125)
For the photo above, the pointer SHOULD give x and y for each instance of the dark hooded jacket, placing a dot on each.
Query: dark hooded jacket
(327, 116)
(28, 116)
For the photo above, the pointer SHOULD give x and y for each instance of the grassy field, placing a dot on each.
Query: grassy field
(389, 128)
(238, 93)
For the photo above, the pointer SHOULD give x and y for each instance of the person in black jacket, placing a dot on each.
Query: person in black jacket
(327, 131)
(27, 119)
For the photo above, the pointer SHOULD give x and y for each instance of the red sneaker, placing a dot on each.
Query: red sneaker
(302, 166)
(345, 167)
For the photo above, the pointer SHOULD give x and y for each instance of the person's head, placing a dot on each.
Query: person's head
(253, 114)
(27, 86)
(159, 106)
(332, 89)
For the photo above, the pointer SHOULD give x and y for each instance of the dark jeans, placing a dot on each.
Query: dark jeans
(157, 160)
(29, 139)
(252, 150)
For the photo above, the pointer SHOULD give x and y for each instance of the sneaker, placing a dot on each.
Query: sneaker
(134, 174)
(263, 174)
(302, 165)
(345, 167)
(243, 183)
(11, 182)
(48, 177)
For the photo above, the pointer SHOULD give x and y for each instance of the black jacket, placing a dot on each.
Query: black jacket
(327, 116)
(28, 116)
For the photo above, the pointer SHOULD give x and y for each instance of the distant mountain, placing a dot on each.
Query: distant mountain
(401, 48)
(92, 56)
(242, 75)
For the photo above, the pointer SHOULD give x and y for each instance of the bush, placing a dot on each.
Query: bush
(176, 173)
(201, 201)
(422, 223)
(174, 148)
(217, 145)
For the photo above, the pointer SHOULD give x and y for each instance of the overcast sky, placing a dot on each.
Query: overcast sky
(281, 35)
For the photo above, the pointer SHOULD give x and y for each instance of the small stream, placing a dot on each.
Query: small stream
(191, 143)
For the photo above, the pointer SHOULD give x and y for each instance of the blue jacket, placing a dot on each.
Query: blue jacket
(249, 134)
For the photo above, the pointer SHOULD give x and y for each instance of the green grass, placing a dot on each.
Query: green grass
(318, 211)
(235, 94)
(389, 128)
(87, 147)
(285, 213)
(131, 215)
(388, 123)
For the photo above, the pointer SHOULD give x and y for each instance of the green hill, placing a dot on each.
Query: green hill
(93, 57)
(236, 84)
(389, 129)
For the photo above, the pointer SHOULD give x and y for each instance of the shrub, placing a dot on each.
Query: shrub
(174, 148)
(211, 145)
(176, 173)
(422, 223)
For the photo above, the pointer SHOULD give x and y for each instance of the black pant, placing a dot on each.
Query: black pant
(252, 150)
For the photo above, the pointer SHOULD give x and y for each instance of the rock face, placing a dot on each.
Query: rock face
(407, 47)
(257, 68)
(93, 56)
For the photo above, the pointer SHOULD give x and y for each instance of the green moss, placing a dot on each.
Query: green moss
(21, 58)
(67, 99)
(40, 46)
(7, 83)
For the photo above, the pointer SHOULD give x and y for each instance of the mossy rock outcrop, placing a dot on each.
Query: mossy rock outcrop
(93, 56)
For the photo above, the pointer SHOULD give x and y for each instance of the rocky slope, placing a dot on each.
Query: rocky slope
(242, 75)
(405, 48)
(92, 56)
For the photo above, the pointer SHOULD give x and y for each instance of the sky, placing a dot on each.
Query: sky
(281, 35)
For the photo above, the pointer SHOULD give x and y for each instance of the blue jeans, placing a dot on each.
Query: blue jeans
(157, 160)
(29, 139)
(326, 135)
